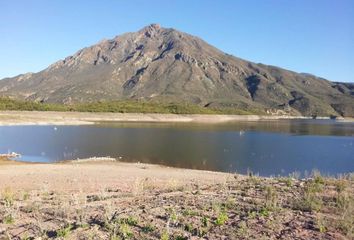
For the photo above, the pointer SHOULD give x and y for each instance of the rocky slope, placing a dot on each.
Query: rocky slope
(163, 64)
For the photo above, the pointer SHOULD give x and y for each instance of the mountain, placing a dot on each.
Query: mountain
(163, 64)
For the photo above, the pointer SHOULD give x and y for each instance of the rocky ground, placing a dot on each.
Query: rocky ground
(130, 201)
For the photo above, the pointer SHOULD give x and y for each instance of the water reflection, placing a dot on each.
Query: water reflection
(298, 127)
(267, 147)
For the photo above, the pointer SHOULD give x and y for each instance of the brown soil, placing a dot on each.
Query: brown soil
(112, 200)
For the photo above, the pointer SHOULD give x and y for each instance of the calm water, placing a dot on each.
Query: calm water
(267, 148)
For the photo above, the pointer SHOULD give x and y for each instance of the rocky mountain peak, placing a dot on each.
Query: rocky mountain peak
(151, 30)
(155, 26)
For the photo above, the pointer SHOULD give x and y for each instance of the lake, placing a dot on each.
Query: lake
(264, 147)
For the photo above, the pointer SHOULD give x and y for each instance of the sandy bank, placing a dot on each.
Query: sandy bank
(96, 176)
(113, 200)
(81, 118)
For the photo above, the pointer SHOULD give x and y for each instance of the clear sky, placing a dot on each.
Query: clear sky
(313, 36)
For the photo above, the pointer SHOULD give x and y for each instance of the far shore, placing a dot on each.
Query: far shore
(85, 118)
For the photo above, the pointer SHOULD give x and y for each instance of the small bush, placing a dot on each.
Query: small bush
(271, 197)
(340, 185)
(8, 197)
(125, 231)
(9, 219)
(148, 228)
(310, 201)
(132, 221)
(221, 219)
(165, 236)
(64, 232)
(188, 227)
(205, 221)
(264, 212)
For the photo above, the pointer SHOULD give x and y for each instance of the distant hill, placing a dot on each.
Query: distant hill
(165, 65)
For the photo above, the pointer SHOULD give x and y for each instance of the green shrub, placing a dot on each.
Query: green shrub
(165, 236)
(271, 197)
(310, 200)
(221, 219)
(9, 219)
(64, 232)
(125, 231)
(148, 228)
(121, 106)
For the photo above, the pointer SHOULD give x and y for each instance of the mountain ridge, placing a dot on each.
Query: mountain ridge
(164, 64)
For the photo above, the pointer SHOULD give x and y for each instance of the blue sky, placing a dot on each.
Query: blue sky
(313, 36)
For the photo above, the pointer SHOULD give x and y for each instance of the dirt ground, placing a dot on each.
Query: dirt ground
(114, 200)
(81, 118)
(96, 176)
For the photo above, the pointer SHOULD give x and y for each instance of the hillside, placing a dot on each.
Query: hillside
(163, 65)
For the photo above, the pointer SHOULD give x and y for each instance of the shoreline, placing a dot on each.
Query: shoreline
(13, 118)
(73, 175)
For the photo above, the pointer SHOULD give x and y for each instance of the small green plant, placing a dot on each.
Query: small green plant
(172, 215)
(310, 201)
(8, 196)
(343, 201)
(318, 177)
(25, 237)
(181, 238)
(345, 224)
(132, 221)
(322, 229)
(114, 237)
(242, 228)
(340, 185)
(26, 196)
(65, 231)
(205, 221)
(230, 203)
(320, 224)
(264, 212)
(188, 227)
(202, 231)
(9, 219)
(148, 228)
(222, 218)
(271, 197)
(164, 236)
(125, 231)
(314, 186)
(189, 212)
(288, 181)
(252, 214)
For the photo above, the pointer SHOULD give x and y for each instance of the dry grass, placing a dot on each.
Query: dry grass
(241, 207)
(6, 161)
